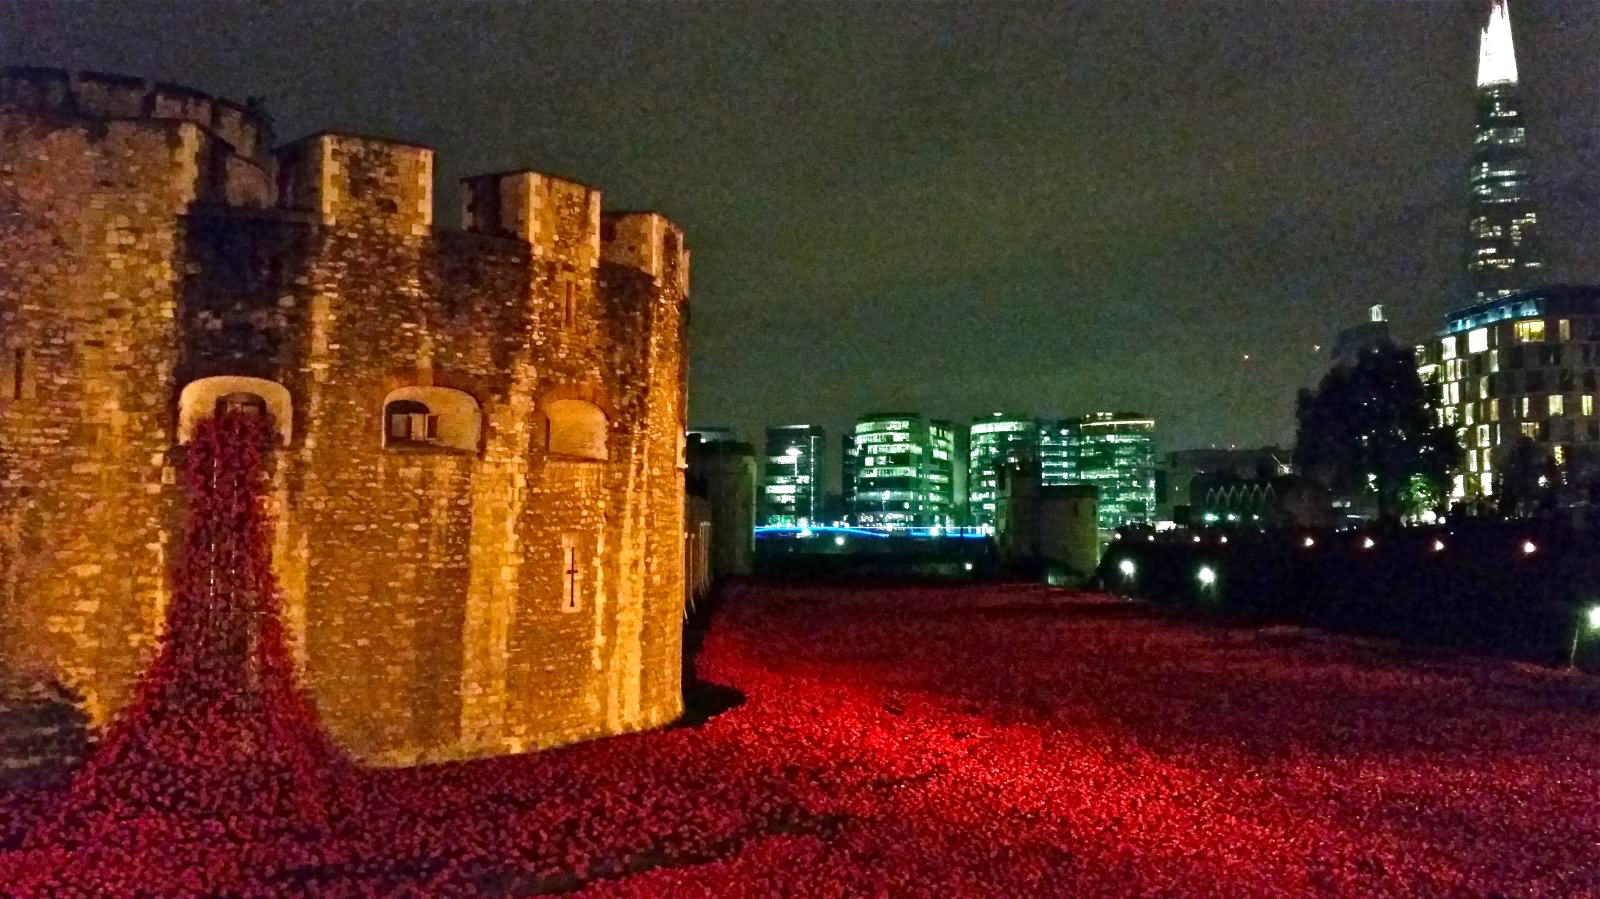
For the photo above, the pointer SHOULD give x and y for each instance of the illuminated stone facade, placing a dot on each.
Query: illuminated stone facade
(478, 499)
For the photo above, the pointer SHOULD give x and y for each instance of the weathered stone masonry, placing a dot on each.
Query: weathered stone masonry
(479, 494)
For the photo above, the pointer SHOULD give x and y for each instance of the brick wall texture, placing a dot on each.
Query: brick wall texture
(451, 593)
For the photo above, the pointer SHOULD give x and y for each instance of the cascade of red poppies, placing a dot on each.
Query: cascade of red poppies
(220, 739)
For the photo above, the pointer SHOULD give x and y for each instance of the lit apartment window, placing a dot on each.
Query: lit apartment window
(1556, 403)
(1588, 404)
(1564, 329)
(1530, 331)
(1478, 341)
(1527, 406)
(1447, 348)
(1530, 429)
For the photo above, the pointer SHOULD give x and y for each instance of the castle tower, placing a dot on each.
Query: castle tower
(1503, 254)
(478, 490)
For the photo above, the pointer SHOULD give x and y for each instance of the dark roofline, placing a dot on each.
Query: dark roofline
(257, 111)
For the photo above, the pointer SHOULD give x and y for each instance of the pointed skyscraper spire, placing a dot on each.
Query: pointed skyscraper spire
(1497, 59)
(1502, 242)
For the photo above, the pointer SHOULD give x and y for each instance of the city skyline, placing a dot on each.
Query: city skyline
(1041, 215)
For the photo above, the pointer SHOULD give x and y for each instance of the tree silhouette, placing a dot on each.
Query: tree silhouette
(1526, 479)
(1373, 427)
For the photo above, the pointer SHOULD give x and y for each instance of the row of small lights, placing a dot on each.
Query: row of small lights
(1207, 576)
(1528, 546)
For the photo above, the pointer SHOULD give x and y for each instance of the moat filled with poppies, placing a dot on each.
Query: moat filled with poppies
(961, 741)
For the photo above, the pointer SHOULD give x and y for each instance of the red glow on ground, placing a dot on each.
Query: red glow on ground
(962, 742)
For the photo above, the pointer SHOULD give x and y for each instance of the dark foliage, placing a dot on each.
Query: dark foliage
(1373, 427)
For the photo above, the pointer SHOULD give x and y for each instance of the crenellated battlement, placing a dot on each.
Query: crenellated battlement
(557, 217)
(649, 242)
(102, 95)
(353, 180)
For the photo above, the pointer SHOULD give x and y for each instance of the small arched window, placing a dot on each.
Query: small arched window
(408, 421)
(234, 393)
(431, 418)
(576, 428)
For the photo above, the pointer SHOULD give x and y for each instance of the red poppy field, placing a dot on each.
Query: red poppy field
(979, 741)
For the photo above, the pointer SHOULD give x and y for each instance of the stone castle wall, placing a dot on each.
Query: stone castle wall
(513, 579)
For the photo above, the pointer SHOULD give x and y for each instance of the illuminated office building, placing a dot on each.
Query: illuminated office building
(903, 471)
(1503, 254)
(994, 441)
(1113, 451)
(792, 470)
(1521, 365)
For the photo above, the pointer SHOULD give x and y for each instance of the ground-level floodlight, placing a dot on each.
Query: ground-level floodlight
(1223, 539)
(1197, 538)
(1438, 546)
(1368, 543)
(966, 566)
(838, 541)
(1528, 548)
(1126, 567)
(1207, 575)
(1588, 621)
(1310, 543)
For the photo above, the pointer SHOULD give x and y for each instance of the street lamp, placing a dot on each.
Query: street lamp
(1127, 568)
(1207, 576)
(793, 453)
(1588, 621)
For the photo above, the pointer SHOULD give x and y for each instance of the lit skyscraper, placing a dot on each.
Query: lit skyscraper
(993, 441)
(903, 471)
(1114, 451)
(1502, 247)
(792, 475)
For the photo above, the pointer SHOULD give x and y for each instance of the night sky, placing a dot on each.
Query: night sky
(950, 209)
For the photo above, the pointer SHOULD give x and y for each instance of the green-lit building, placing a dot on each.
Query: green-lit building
(993, 441)
(1113, 451)
(792, 473)
(903, 471)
